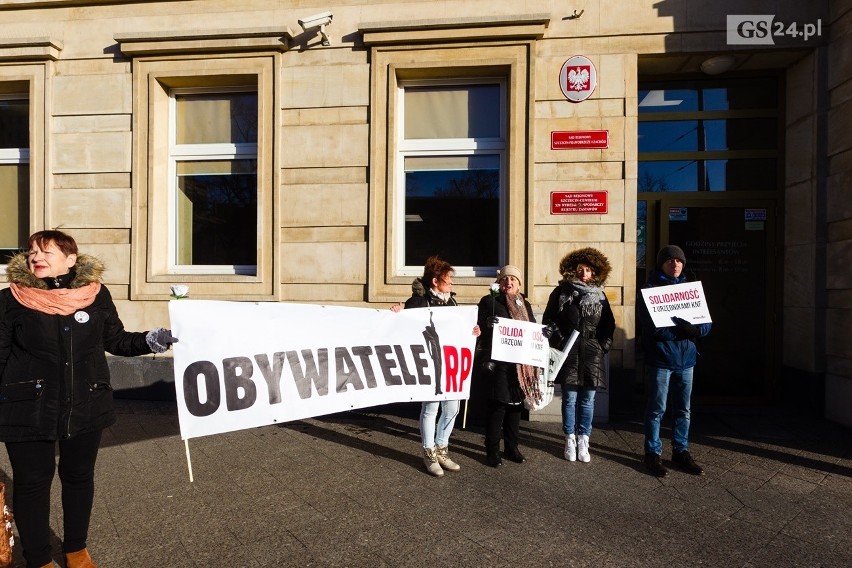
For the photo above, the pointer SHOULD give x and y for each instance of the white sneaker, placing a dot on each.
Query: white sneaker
(570, 447)
(583, 449)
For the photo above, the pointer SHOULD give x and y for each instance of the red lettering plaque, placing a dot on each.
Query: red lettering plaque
(579, 140)
(577, 202)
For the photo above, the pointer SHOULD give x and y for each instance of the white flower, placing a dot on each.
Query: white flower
(179, 291)
(495, 288)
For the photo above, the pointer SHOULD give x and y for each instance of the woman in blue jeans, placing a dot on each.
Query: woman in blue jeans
(435, 289)
(670, 356)
(579, 304)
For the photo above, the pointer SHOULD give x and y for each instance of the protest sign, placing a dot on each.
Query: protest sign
(522, 342)
(685, 301)
(239, 365)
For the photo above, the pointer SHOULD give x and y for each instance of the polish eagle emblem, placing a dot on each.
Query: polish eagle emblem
(578, 78)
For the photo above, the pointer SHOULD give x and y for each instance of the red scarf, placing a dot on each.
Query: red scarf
(62, 301)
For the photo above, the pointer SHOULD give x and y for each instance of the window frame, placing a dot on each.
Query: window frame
(449, 147)
(701, 157)
(201, 152)
(152, 269)
(29, 81)
(392, 64)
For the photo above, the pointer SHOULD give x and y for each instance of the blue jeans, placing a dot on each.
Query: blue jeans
(439, 436)
(658, 382)
(571, 402)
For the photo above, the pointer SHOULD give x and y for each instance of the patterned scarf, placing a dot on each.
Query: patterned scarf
(527, 374)
(63, 301)
(590, 298)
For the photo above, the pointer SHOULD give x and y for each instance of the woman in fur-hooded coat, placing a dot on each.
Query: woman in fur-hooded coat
(56, 321)
(579, 303)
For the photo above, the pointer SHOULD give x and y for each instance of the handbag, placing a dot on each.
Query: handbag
(7, 539)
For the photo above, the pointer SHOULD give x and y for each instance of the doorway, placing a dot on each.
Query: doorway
(730, 246)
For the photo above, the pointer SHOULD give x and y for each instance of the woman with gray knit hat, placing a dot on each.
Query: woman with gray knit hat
(506, 385)
(579, 303)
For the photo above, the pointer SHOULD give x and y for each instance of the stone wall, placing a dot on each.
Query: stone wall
(838, 253)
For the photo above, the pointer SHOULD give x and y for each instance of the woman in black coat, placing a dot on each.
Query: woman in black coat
(56, 321)
(579, 303)
(502, 382)
(433, 290)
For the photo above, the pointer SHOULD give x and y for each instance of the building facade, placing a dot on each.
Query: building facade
(307, 152)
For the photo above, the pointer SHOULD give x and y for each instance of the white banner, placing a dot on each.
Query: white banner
(519, 342)
(239, 365)
(685, 301)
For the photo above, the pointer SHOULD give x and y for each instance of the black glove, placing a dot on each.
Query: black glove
(159, 340)
(688, 330)
(491, 321)
(551, 330)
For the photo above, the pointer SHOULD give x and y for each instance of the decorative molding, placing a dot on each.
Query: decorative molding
(34, 4)
(220, 41)
(30, 49)
(527, 27)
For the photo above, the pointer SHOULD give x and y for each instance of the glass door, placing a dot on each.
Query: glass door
(730, 248)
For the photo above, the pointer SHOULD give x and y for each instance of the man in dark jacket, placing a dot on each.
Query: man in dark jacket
(670, 356)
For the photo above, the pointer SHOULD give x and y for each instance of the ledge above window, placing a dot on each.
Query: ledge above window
(30, 49)
(531, 26)
(219, 42)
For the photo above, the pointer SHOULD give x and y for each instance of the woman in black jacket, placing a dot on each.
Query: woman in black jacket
(505, 384)
(435, 289)
(56, 321)
(579, 303)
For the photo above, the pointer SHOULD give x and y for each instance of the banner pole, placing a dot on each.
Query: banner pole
(464, 417)
(188, 460)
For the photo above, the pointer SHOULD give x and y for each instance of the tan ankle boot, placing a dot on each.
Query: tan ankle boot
(79, 559)
(430, 460)
(443, 455)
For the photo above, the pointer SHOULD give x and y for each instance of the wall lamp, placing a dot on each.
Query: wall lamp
(718, 64)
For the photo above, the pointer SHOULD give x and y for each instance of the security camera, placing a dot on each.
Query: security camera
(318, 22)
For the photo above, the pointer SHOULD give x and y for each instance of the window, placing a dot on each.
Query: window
(449, 155)
(213, 156)
(14, 173)
(204, 205)
(452, 161)
(709, 136)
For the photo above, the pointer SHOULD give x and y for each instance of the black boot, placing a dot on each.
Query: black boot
(654, 465)
(685, 462)
(515, 455)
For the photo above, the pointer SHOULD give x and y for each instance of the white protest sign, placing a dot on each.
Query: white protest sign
(522, 342)
(685, 301)
(240, 365)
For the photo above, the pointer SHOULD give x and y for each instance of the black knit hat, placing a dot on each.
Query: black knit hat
(670, 251)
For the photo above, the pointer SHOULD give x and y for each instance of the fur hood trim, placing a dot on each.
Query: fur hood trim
(417, 288)
(88, 269)
(590, 257)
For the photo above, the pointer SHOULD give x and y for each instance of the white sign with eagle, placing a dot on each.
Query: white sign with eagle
(578, 78)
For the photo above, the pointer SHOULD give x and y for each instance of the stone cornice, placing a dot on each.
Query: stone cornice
(30, 49)
(201, 41)
(528, 26)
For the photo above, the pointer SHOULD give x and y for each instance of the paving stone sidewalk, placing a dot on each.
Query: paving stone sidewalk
(350, 490)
